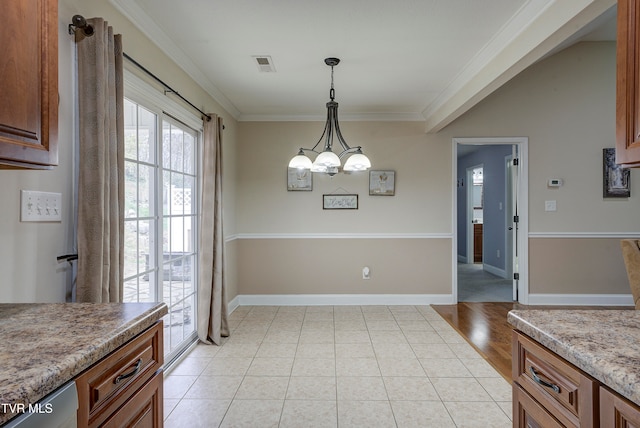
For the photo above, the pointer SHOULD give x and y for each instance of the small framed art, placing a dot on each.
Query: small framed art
(299, 179)
(340, 202)
(615, 178)
(382, 183)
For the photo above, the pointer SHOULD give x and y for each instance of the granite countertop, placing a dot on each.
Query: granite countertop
(603, 343)
(44, 345)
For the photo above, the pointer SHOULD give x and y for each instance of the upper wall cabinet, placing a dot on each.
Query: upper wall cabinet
(628, 84)
(29, 84)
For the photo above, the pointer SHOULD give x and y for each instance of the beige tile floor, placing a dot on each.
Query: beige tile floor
(337, 366)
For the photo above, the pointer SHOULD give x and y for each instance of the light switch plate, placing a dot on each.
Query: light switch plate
(40, 206)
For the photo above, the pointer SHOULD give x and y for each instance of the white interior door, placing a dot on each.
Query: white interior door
(509, 217)
(513, 177)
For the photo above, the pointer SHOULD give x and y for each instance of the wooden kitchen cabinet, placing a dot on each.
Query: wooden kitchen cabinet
(527, 412)
(125, 388)
(142, 410)
(29, 84)
(617, 412)
(562, 395)
(567, 394)
(628, 84)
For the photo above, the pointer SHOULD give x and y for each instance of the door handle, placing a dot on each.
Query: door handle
(510, 228)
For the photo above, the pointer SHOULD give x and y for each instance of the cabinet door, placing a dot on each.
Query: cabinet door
(616, 412)
(628, 84)
(29, 84)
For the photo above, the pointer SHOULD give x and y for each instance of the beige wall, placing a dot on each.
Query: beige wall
(309, 266)
(265, 205)
(564, 104)
(30, 272)
(587, 265)
(407, 260)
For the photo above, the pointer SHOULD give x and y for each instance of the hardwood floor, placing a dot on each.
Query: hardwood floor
(485, 327)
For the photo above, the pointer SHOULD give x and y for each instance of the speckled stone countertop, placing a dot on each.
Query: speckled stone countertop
(44, 345)
(603, 343)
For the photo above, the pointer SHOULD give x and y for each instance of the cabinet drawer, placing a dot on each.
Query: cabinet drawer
(528, 413)
(110, 382)
(557, 385)
(143, 410)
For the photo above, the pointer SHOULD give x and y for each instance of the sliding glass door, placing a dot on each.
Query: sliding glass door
(161, 159)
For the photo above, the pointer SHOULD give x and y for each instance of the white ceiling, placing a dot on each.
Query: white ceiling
(428, 60)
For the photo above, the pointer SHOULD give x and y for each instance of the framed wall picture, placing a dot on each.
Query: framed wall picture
(382, 183)
(299, 179)
(615, 178)
(340, 202)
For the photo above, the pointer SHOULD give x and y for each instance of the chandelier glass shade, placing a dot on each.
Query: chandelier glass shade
(327, 161)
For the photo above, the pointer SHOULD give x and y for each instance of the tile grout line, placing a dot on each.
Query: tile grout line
(440, 330)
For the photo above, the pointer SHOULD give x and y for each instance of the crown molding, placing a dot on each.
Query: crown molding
(348, 117)
(154, 33)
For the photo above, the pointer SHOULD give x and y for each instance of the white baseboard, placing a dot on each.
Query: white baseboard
(494, 270)
(416, 299)
(581, 299)
(233, 304)
(341, 299)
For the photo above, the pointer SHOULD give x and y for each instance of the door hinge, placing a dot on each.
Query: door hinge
(516, 276)
(515, 161)
(516, 219)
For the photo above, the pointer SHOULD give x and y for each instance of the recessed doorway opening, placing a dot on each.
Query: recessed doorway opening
(490, 220)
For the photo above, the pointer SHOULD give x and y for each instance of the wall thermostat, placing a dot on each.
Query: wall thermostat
(554, 182)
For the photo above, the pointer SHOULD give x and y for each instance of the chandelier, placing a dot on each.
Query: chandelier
(327, 161)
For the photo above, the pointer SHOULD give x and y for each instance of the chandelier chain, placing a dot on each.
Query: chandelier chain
(332, 92)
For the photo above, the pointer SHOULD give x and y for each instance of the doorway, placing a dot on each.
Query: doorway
(490, 220)
(475, 213)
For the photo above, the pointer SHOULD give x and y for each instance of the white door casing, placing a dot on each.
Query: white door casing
(522, 231)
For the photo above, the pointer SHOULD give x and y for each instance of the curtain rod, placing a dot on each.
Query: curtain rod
(167, 87)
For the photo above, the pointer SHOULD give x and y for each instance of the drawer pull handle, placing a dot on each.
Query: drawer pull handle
(132, 373)
(556, 388)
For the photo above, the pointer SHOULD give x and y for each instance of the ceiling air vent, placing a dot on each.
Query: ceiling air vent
(264, 63)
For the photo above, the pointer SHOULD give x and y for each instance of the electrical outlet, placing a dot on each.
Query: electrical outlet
(366, 273)
(40, 206)
(498, 253)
